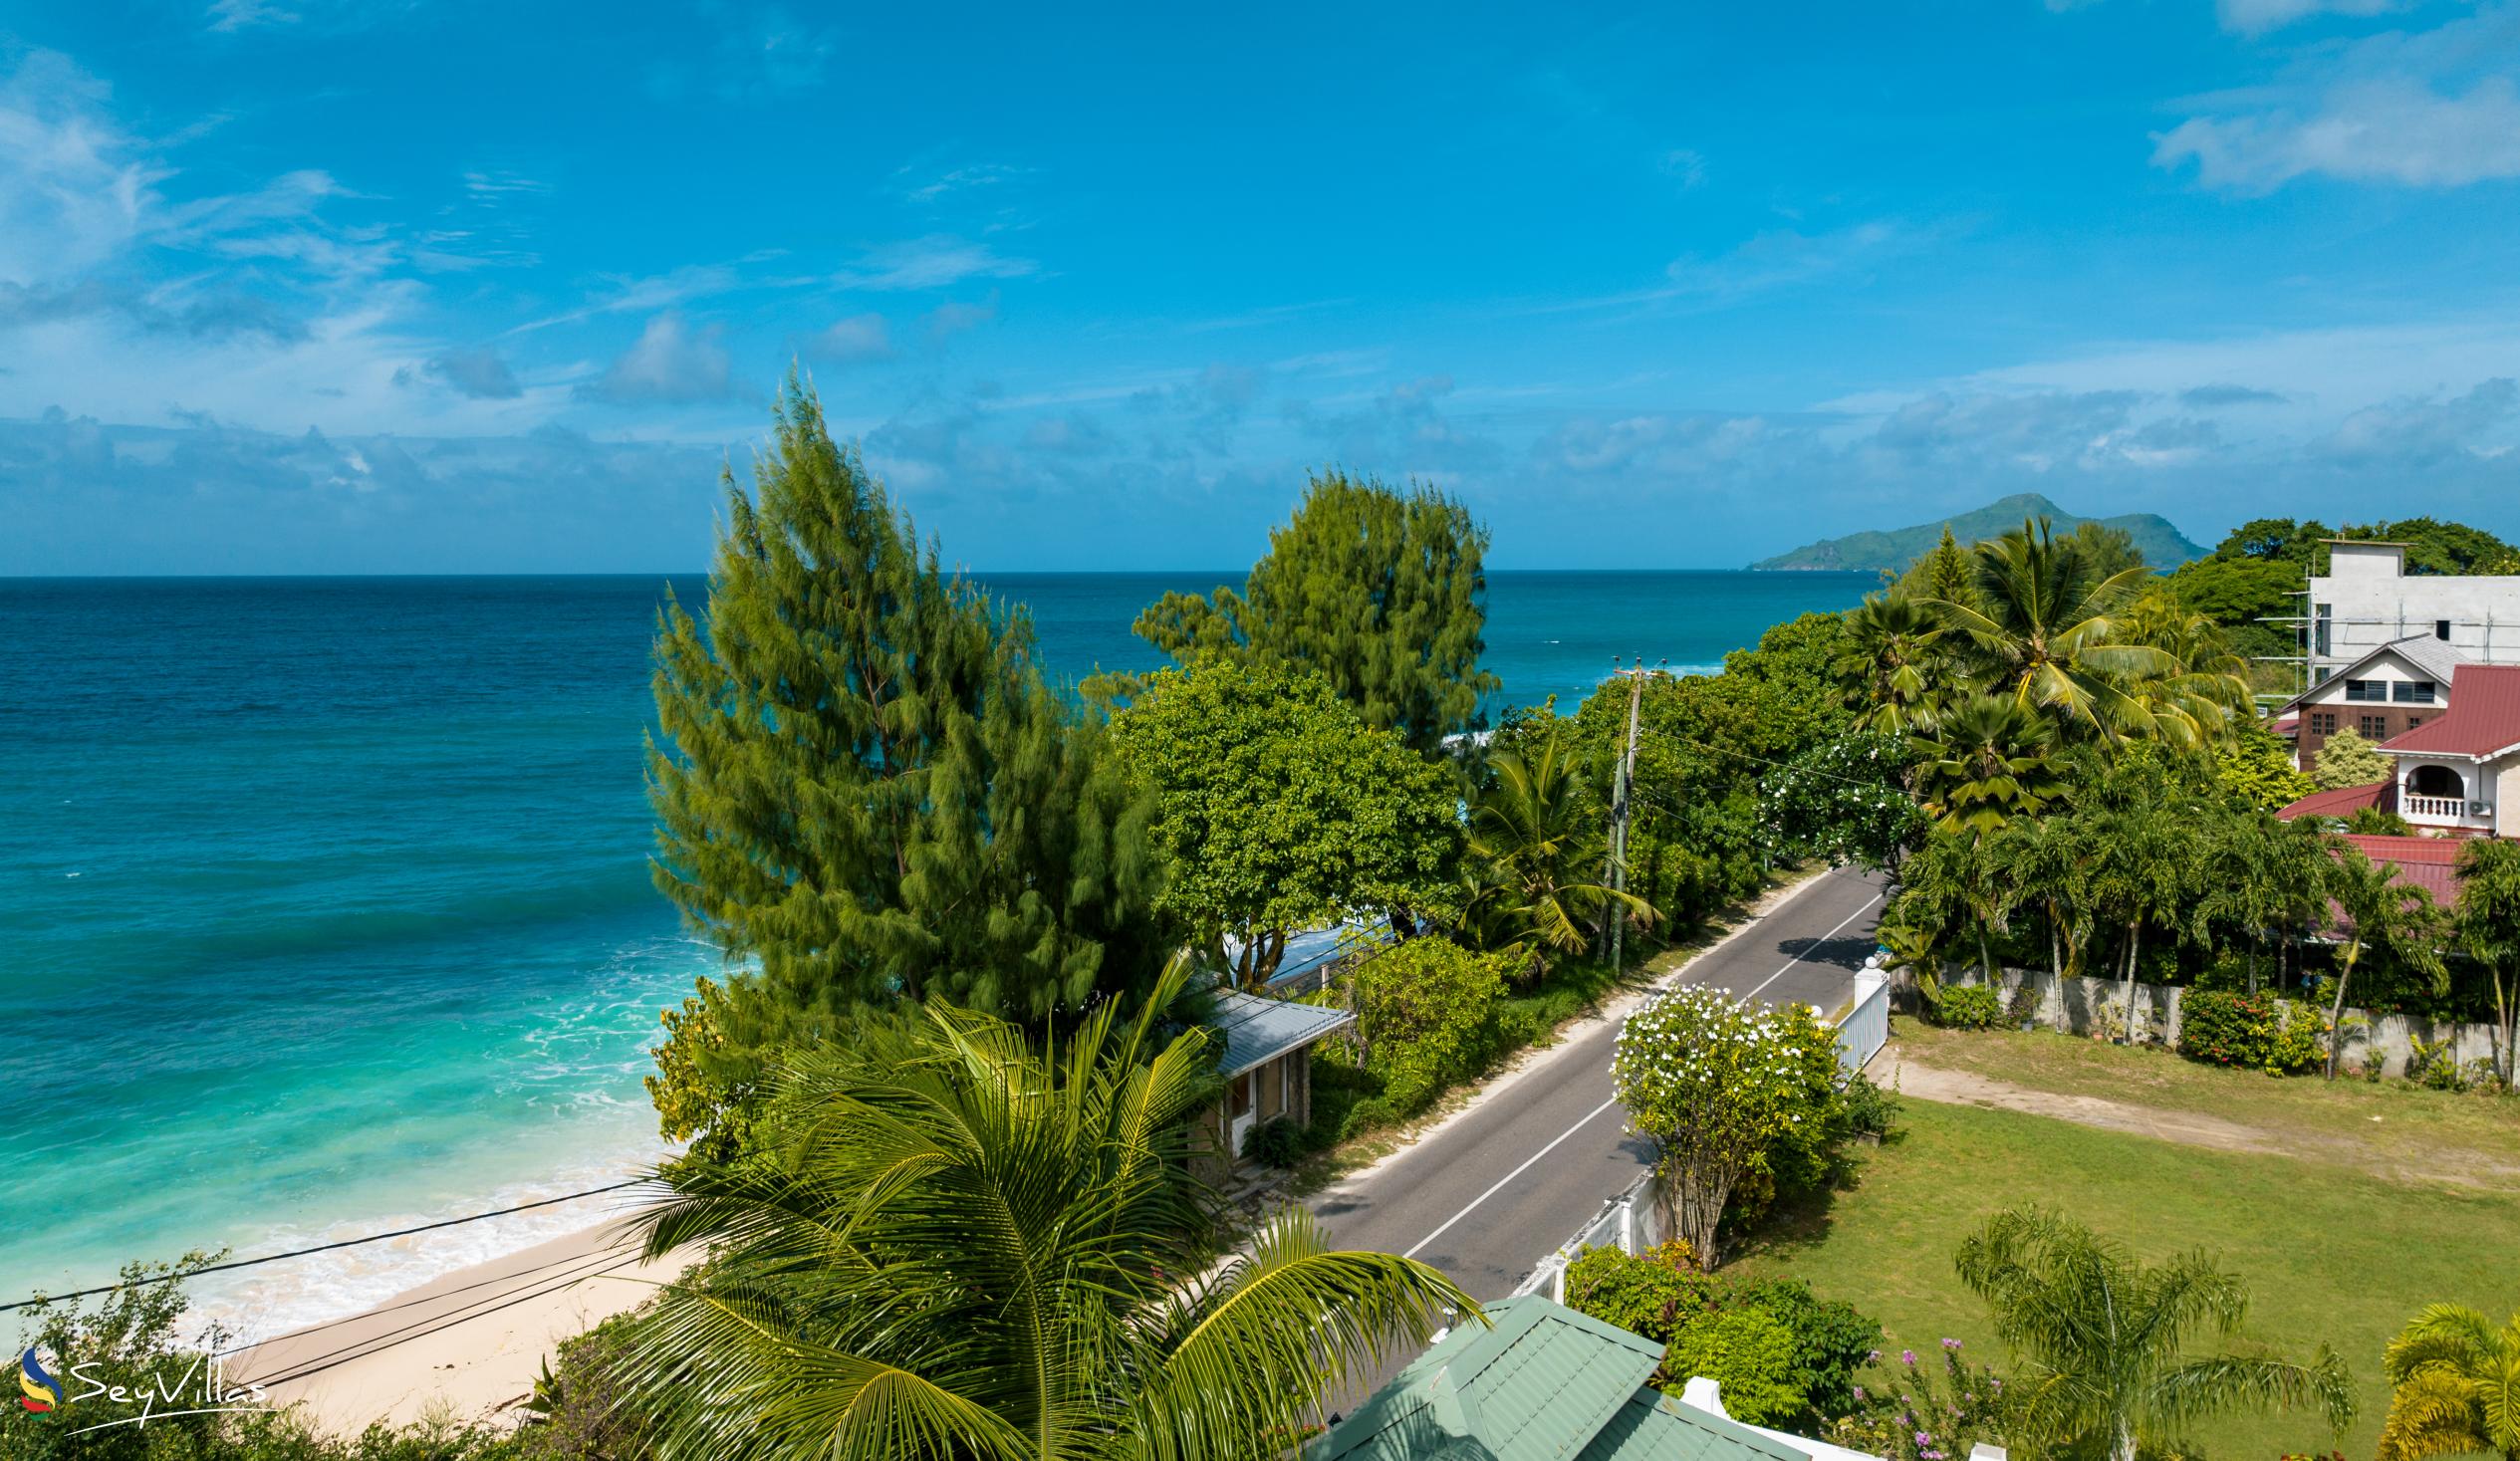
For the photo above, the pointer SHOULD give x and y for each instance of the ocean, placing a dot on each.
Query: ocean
(326, 911)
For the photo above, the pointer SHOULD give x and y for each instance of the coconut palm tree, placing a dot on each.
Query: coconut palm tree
(2379, 913)
(1984, 763)
(2105, 1342)
(2456, 1387)
(959, 1245)
(2043, 632)
(2140, 872)
(2049, 859)
(1535, 841)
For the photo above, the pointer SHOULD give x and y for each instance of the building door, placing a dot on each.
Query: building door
(1242, 1110)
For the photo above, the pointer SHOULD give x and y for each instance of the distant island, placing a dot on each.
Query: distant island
(2164, 547)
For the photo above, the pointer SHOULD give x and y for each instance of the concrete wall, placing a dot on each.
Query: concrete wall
(2089, 1007)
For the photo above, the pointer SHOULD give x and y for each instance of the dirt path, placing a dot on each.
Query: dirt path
(2188, 1128)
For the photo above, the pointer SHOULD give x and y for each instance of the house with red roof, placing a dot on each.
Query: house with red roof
(2401, 685)
(2457, 773)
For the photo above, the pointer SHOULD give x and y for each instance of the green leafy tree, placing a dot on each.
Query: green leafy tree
(2455, 1387)
(2048, 861)
(2140, 874)
(1845, 800)
(1277, 809)
(1727, 1094)
(867, 788)
(970, 1245)
(1750, 1355)
(2346, 759)
(1380, 592)
(2264, 877)
(1426, 1012)
(2380, 913)
(2106, 1341)
(2489, 914)
(2255, 765)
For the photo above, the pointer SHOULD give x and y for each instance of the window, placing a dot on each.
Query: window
(2412, 692)
(2323, 722)
(2372, 727)
(2366, 690)
(2319, 635)
(2441, 629)
(2413, 721)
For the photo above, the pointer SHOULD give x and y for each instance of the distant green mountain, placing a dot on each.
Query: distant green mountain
(2164, 547)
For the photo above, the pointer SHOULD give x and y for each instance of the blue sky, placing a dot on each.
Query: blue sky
(311, 286)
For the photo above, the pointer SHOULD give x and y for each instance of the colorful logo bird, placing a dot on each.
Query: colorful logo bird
(43, 1393)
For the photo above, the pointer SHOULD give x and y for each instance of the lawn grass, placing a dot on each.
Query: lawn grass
(2328, 1253)
(2386, 1127)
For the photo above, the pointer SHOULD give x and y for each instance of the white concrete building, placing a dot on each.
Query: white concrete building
(2366, 598)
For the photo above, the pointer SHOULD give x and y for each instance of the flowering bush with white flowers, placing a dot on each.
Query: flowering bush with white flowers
(1845, 800)
(1733, 1096)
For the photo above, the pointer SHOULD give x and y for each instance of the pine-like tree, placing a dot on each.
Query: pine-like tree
(870, 789)
(1377, 591)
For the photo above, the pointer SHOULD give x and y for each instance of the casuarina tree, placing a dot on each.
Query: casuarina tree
(866, 791)
(1379, 591)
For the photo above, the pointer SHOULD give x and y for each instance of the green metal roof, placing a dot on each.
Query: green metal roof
(1537, 1383)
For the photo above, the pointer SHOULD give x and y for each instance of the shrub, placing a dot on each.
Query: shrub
(1662, 1295)
(1370, 1113)
(1914, 1418)
(1276, 1143)
(1968, 1007)
(1747, 1351)
(2253, 1032)
(1423, 1011)
(1866, 1110)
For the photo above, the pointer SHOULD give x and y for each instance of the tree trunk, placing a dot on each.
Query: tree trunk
(2336, 1011)
(2125, 1450)
(1986, 959)
(2135, 946)
(2503, 1016)
(1403, 927)
(1697, 1200)
(2255, 940)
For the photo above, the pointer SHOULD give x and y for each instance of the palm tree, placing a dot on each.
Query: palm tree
(1893, 664)
(1533, 839)
(2140, 872)
(2049, 859)
(2489, 925)
(2043, 633)
(2104, 1340)
(1985, 763)
(2209, 685)
(2456, 1387)
(2380, 913)
(959, 1245)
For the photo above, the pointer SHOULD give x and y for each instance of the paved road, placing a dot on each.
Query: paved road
(1488, 1196)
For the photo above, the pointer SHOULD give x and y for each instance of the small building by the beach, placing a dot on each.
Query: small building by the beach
(1267, 1065)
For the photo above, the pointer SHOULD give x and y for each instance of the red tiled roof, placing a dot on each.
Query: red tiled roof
(2484, 715)
(2343, 802)
(2286, 726)
(2428, 863)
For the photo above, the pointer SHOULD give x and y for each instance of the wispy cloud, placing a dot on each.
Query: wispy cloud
(857, 339)
(2257, 17)
(933, 262)
(2427, 109)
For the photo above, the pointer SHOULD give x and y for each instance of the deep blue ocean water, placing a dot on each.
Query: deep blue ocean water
(325, 908)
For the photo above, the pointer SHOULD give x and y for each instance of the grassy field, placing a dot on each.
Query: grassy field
(2330, 1252)
(2389, 1126)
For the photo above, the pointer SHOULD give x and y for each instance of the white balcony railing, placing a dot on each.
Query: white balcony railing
(2437, 809)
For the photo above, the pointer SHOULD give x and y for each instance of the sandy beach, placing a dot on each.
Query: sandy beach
(468, 1343)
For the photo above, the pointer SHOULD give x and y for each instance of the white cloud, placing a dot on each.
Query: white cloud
(954, 316)
(2434, 108)
(854, 341)
(669, 362)
(933, 262)
(2257, 17)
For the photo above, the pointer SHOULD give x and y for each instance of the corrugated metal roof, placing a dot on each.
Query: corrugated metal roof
(1259, 1030)
(2344, 800)
(1541, 1382)
(2433, 657)
(2485, 716)
(2428, 863)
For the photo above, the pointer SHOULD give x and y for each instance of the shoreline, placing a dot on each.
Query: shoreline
(468, 1343)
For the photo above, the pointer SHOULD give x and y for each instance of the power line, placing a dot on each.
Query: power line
(218, 1268)
(413, 1302)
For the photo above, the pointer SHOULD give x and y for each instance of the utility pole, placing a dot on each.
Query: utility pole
(1622, 792)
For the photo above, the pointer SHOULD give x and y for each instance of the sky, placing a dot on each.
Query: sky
(437, 286)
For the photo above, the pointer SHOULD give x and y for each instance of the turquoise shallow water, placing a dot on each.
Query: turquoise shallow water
(324, 905)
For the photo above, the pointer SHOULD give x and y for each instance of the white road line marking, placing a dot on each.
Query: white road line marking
(1816, 943)
(1509, 1176)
